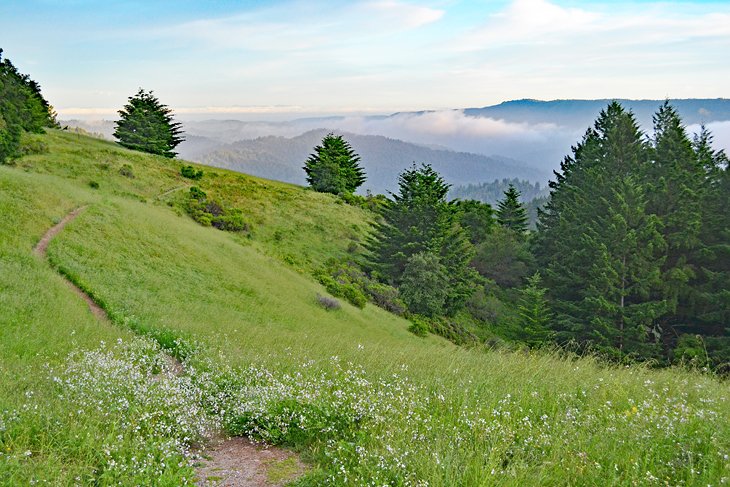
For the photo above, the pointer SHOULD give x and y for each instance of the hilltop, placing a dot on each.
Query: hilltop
(359, 396)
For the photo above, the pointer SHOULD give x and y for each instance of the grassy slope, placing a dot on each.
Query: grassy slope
(503, 418)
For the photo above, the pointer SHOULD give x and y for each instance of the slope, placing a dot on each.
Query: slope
(366, 401)
(383, 158)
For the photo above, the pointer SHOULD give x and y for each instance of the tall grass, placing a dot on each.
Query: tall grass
(367, 402)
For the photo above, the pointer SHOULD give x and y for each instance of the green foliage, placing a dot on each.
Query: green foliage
(512, 214)
(22, 109)
(476, 218)
(190, 172)
(504, 257)
(492, 192)
(147, 125)
(211, 212)
(534, 313)
(626, 234)
(334, 167)
(127, 171)
(417, 220)
(345, 279)
(424, 285)
(419, 326)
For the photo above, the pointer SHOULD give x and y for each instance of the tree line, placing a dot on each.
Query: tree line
(630, 259)
(23, 109)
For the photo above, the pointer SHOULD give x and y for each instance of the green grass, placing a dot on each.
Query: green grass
(362, 398)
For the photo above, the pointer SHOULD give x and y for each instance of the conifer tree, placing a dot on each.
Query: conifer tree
(419, 220)
(600, 248)
(511, 213)
(334, 167)
(676, 180)
(147, 125)
(533, 313)
(22, 108)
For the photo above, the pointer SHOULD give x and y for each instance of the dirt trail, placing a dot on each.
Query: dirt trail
(229, 462)
(41, 249)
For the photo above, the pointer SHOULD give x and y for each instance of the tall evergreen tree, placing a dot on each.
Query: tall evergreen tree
(710, 300)
(600, 248)
(533, 313)
(334, 167)
(22, 108)
(419, 220)
(511, 213)
(676, 180)
(147, 125)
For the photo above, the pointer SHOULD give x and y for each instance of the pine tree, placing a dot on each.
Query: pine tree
(710, 299)
(334, 167)
(511, 213)
(600, 248)
(415, 220)
(147, 125)
(22, 109)
(419, 220)
(676, 180)
(533, 313)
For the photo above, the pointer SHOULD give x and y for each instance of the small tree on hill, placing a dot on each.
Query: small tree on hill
(334, 167)
(146, 125)
(511, 213)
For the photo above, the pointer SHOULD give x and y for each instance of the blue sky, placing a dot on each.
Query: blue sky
(258, 59)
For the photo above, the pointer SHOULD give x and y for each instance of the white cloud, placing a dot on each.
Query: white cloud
(401, 14)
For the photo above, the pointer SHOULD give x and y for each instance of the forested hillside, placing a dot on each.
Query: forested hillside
(282, 158)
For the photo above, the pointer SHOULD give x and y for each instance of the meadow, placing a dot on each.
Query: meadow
(363, 400)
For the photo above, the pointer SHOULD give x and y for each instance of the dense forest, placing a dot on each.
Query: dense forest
(630, 258)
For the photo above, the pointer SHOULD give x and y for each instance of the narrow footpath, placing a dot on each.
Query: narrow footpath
(229, 462)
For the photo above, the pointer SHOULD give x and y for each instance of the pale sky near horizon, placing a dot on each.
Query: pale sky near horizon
(256, 59)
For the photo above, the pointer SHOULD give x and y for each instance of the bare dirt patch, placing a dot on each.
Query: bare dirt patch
(239, 462)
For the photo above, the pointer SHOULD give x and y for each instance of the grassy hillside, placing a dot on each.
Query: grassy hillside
(366, 402)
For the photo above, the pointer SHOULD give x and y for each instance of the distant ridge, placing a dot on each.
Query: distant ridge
(583, 112)
(383, 158)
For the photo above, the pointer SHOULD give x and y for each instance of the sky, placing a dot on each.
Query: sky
(259, 59)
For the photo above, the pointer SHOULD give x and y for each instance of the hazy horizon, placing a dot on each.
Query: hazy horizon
(294, 59)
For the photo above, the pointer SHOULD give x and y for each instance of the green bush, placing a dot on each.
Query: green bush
(419, 326)
(385, 296)
(126, 171)
(424, 285)
(209, 212)
(191, 173)
(31, 144)
(93, 185)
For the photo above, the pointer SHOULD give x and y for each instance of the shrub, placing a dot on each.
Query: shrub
(419, 326)
(191, 173)
(197, 193)
(424, 285)
(31, 144)
(209, 212)
(126, 171)
(385, 296)
(93, 185)
(327, 302)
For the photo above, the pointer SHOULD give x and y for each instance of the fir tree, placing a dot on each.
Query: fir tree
(22, 109)
(600, 248)
(334, 167)
(511, 213)
(533, 313)
(676, 180)
(147, 125)
(419, 220)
